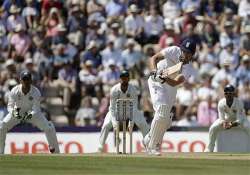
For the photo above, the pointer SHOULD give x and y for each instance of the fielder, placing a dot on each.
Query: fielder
(119, 91)
(163, 89)
(231, 114)
(24, 106)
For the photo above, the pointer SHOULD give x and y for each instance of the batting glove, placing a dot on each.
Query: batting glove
(156, 76)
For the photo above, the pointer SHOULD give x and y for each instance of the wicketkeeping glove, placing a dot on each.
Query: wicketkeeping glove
(16, 113)
(27, 116)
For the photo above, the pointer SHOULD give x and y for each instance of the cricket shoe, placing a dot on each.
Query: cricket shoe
(207, 151)
(52, 150)
(154, 152)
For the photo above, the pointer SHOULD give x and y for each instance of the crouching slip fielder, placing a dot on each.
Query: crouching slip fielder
(24, 106)
(118, 91)
(163, 91)
(231, 114)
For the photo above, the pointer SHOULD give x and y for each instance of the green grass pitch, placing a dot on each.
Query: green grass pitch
(138, 164)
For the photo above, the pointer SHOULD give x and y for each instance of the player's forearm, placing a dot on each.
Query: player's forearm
(175, 82)
(154, 60)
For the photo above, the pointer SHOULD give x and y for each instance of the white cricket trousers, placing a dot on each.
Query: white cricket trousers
(110, 122)
(216, 127)
(37, 120)
(163, 98)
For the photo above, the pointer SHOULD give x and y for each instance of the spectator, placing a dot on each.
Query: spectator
(30, 14)
(20, 43)
(66, 82)
(93, 55)
(244, 94)
(32, 69)
(171, 9)
(130, 56)
(9, 71)
(245, 42)
(110, 75)
(224, 74)
(153, 25)
(210, 34)
(110, 53)
(86, 114)
(134, 24)
(207, 112)
(244, 8)
(76, 20)
(15, 19)
(208, 60)
(115, 8)
(116, 36)
(243, 71)
(88, 78)
(230, 53)
(93, 6)
(229, 36)
(185, 97)
(52, 22)
(169, 33)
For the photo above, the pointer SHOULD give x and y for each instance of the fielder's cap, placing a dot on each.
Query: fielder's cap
(229, 88)
(188, 45)
(25, 75)
(124, 73)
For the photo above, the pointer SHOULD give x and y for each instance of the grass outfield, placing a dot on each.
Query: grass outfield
(110, 164)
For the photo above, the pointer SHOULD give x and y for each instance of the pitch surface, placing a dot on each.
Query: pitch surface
(138, 164)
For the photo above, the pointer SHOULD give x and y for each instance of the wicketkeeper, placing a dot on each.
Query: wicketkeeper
(24, 106)
(231, 114)
(120, 91)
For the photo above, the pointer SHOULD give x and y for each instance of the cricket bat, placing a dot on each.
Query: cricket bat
(173, 71)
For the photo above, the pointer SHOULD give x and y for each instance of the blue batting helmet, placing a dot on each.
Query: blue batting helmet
(188, 45)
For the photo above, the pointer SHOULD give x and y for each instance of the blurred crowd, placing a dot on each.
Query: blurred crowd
(75, 50)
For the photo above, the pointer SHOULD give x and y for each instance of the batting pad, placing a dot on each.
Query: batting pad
(157, 131)
(50, 133)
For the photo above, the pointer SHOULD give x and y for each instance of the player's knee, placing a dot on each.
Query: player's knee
(107, 126)
(164, 111)
(3, 126)
(49, 127)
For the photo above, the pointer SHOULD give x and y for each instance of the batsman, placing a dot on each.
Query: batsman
(24, 106)
(122, 90)
(169, 68)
